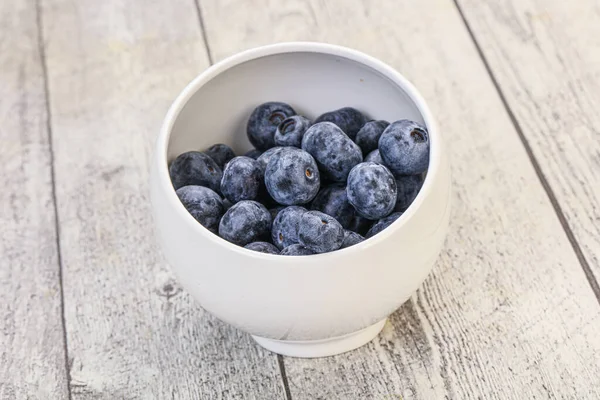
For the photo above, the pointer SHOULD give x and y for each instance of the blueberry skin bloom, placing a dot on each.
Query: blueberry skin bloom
(408, 188)
(320, 232)
(292, 177)
(203, 204)
(368, 136)
(221, 153)
(263, 247)
(195, 168)
(351, 238)
(263, 123)
(242, 179)
(254, 153)
(382, 224)
(375, 157)
(296, 250)
(265, 157)
(372, 190)
(291, 131)
(245, 222)
(404, 147)
(334, 152)
(285, 226)
(333, 200)
(349, 119)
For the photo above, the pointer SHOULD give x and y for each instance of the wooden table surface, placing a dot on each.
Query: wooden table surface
(89, 309)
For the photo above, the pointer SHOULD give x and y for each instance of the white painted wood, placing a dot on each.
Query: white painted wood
(114, 67)
(508, 312)
(32, 358)
(545, 55)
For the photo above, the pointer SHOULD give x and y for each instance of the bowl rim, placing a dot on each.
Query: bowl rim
(219, 67)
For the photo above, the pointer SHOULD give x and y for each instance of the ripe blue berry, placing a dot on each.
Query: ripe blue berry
(254, 153)
(291, 131)
(368, 136)
(275, 211)
(333, 200)
(195, 168)
(296, 250)
(221, 153)
(264, 121)
(245, 222)
(360, 225)
(351, 238)
(371, 190)
(285, 226)
(408, 188)
(242, 179)
(263, 247)
(404, 147)
(349, 119)
(382, 224)
(292, 177)
(375, 157)
(203, 204)
(334, 152)
(320, 232)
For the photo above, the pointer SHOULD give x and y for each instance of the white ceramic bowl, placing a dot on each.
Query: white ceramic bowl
(307, 306)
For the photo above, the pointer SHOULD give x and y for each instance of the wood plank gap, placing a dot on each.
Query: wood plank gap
(42, 53)
(203, 30)
(536, 166)
(286, 385)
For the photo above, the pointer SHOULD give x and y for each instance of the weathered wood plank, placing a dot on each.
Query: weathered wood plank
(32, 358)
(507, 312)
(114, 67)
(545, 56)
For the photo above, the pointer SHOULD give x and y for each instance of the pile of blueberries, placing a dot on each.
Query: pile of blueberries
(307, 187)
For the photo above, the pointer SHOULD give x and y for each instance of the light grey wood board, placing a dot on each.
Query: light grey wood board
(114, 67)
(545, 55)
(32, 357)
(507, 312)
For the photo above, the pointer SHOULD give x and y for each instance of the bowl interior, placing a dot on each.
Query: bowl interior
(312, 83)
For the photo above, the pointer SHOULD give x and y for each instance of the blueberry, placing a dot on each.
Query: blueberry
(332, 200)
(226, 204)
(382, 224)
(275, 211)
(242, 179)
(263, 123)
(291, 131)
(320, 232)
(265, 157)
(254, 153)
(221, 153)
(204, 205)
(263, 247)
(245, 222)
(368, 136)
(404, 147)
(292, 177)
(296, 250)
(351, 238)
(349, 119)
(286, 225)
(360, 225)
(195, 168)
(372, 190)
(408, 188)
(375, 157)
(334, 152)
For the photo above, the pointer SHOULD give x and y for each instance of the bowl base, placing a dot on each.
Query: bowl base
(322, 347)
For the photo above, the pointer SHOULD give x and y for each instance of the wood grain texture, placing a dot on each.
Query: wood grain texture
(508, 312)
(545, 55)
(32, 358)
(114, 67)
